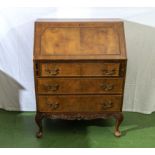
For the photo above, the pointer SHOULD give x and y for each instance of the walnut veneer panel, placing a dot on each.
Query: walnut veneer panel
(79, 40)
(80, 69)
(79, 85)
(78, 103)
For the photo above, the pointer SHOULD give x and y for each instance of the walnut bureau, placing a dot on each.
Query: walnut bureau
(79, 69)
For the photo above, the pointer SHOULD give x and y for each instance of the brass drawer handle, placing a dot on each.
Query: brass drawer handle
(54, 71)
(107, 72)
(54, 106)
(52, 87)
(107, 105)
(107, 87)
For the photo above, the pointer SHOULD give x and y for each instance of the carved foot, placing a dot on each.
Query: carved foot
(117, 133)
(39, 134)
(38, 119)
(119, 119)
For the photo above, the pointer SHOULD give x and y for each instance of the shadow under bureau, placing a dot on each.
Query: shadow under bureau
(79, 69)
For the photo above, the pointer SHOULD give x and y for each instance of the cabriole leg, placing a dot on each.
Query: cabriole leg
(38, 119)
(119, 119)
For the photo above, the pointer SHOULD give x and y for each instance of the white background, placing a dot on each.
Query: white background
(16, 51)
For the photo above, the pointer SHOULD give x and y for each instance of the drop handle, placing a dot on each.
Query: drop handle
(107, 105)
(109, 72)
(54, 106)
(107, 87)
(52, 87)
(54, 71)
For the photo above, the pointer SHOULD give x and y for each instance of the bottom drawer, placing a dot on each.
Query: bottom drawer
(79, 103)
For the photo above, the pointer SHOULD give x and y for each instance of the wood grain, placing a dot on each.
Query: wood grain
(84, 103)
(79, 40)
(80, 69)
(79, 85)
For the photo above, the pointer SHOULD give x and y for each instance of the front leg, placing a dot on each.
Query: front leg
(38, 118)
(119, 118)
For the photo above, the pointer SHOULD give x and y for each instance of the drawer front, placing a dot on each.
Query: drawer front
(79, 85)
(80, 69)
(84, 103)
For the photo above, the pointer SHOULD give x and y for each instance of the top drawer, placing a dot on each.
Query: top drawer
(79, 69)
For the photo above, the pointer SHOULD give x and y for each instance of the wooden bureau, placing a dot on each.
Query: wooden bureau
(79, 69)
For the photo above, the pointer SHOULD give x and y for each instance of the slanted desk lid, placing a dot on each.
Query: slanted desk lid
(97, 39)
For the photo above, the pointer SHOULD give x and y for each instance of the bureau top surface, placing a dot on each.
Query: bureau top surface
(81, 39)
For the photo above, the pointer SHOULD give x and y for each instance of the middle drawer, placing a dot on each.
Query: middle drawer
(79, 85)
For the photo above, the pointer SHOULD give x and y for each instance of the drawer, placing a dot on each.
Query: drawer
(79, 85)
(80, 69)
(77, 103)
